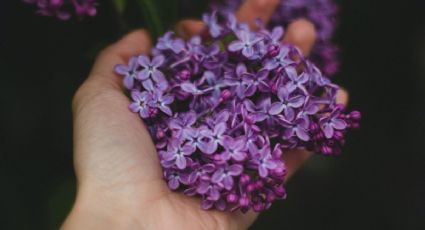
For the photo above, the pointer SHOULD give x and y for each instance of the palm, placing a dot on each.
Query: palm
(123, 163)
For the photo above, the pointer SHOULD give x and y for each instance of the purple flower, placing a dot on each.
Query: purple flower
(225, 175)
(235, 79)
(140, 103)
(245, 43)
(215, 137)
(173, 178)
(60, 8)
(287, 104)
(151, 70)
(295, 81)
(282, 59)
(183, 123)
(210, 189)
(299, 128)
(212, 23)
(166, 42)
(161, 102)
(256, 81)
(203, 172)
(129, 72)
(332, 122)
(234, 149)
(264, 110)
(177, 153)
(264, 162)
(215, 115)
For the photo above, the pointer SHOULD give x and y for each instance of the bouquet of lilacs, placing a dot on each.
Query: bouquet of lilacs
(61, 8)
(222, 109)
(322, 13)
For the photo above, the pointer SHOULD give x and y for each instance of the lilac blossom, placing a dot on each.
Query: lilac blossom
(141, 103)
(221, 119)
(177, 153)
(332, 122)
(245, 43)
(287, 103)
(166, 42)
(129, 72)
(60, 8)
(322, 13)
(225, 174)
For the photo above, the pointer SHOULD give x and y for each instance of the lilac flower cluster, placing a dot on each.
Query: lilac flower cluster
(322, 13)
(60, 8)
(222, 110)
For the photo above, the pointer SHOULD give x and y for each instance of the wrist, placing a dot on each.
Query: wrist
(98, 212)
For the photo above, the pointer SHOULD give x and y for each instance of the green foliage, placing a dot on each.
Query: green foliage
(120, 5)
(159, 15)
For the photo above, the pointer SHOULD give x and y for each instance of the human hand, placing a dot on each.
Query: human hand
(120, 181)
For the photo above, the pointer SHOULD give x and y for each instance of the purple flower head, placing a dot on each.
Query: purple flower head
(60, 8)
(322, 13)
(222, 110)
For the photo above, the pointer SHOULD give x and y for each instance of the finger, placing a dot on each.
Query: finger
(251, 10)
(132, 44)
(302, 34)
(188, 28)
(295, 158)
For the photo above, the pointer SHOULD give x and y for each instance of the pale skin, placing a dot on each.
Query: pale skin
(120, 182)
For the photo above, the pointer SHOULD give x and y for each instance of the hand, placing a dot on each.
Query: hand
(120, 182)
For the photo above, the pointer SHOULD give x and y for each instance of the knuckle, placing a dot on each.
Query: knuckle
(302, 31)
(264, 4)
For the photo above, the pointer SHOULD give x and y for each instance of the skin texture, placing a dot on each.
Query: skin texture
(120, 183)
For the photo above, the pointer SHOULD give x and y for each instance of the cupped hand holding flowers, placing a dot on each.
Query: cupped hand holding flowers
(120, 179)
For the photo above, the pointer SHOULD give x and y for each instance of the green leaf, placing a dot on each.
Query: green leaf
(159, 15)
(120, 5)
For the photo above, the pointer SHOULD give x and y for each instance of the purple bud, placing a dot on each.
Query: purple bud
(355, 115)
(338, 135)
(225, 94)
(160, 133)
(153, 111)
(355, 125)
(232, 197)
(250, 187)
(280, 191)
(259, 184)
(244, 201)
(326, 150)
(245, 179)
(273, 50)
(184, 74)
(271, 197)
(258, 207)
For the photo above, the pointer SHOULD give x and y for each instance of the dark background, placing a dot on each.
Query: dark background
(377, 183)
